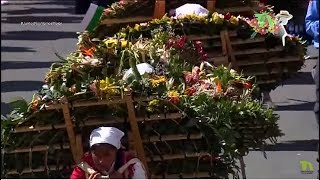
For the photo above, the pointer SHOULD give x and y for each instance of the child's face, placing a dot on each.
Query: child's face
(103, 155)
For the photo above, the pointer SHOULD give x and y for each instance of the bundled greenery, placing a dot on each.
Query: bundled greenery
(157, 58)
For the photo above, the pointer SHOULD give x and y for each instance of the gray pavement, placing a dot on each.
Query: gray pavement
(27, 51)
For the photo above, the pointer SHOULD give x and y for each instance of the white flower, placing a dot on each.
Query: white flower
(233, 72)
(90, 61)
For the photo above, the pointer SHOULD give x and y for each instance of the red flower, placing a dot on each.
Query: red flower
(204, 57)
(174, 99)
(248, 85)
(227, 16)
(180, 42)
(190, 91)
(188, 77)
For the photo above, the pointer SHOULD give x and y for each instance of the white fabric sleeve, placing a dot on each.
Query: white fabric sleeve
(139, 171)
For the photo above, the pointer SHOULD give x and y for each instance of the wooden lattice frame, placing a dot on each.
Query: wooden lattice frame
(75, 140)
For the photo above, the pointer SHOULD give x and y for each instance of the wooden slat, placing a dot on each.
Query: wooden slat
(53, 107)
(70, 130)
(159, 9)
(148, 98)
(115, 100)
(261, 73)
(184, 176)
(211, 5)
(266, 82)
(158, 117)
(79, 145)
(135, 131)
(257, 51)
(232, 34)
(173, 137)
(230, 52)
(23, 129)
(202, 37)
(37, 148)
(224, 41)
(40, 169)
(126, 20)
(238, 9)
(268, 61)
(94, 121)
(173, 156)
(247, 41)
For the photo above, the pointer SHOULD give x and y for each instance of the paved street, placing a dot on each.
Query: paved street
(28, 50)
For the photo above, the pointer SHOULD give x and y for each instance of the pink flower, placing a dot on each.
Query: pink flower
(107, 11)
(254, 22)
(276, 29)
(198, 44)
(263, 31)
(204, 57)
(122, 2)
(188, 78)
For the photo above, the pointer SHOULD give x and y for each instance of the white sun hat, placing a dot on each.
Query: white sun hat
(108, 135)
(285, 14)
(189, 9)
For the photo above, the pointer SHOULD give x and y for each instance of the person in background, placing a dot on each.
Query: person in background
(82, 6)
(312, 28)
(106, 160)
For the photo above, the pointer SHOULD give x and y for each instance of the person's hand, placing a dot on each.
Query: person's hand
(95, 175)
(116, 175)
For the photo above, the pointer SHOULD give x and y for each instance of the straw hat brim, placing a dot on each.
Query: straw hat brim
(289, 16)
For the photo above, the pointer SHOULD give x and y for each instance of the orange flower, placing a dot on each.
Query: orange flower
(173, 96)
(73, 89)
(35, 105)
(219, 88)
(87, 52)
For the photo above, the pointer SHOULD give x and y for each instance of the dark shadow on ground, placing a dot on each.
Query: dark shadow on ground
(300, 78)
(60, 19)
(40, 11)
(65, 3)
(308, 106)
(24, 65)
(5, 108)
(299, 145)
(38, 35)
(11, 86)
(16, 49)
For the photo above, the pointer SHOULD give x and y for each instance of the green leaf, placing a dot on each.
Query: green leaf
(253, 34)
(19, 104)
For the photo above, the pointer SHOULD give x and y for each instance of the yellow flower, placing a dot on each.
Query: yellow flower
(137, 27)
(113, 42)
(157, 80)
(110, 43)
(217, 18)
(234, 20)
(108, 87)
(124, 43)
(173, 93)
(173, 96)
(154, 102)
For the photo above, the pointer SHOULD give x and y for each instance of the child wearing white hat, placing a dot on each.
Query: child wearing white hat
(106, 160)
